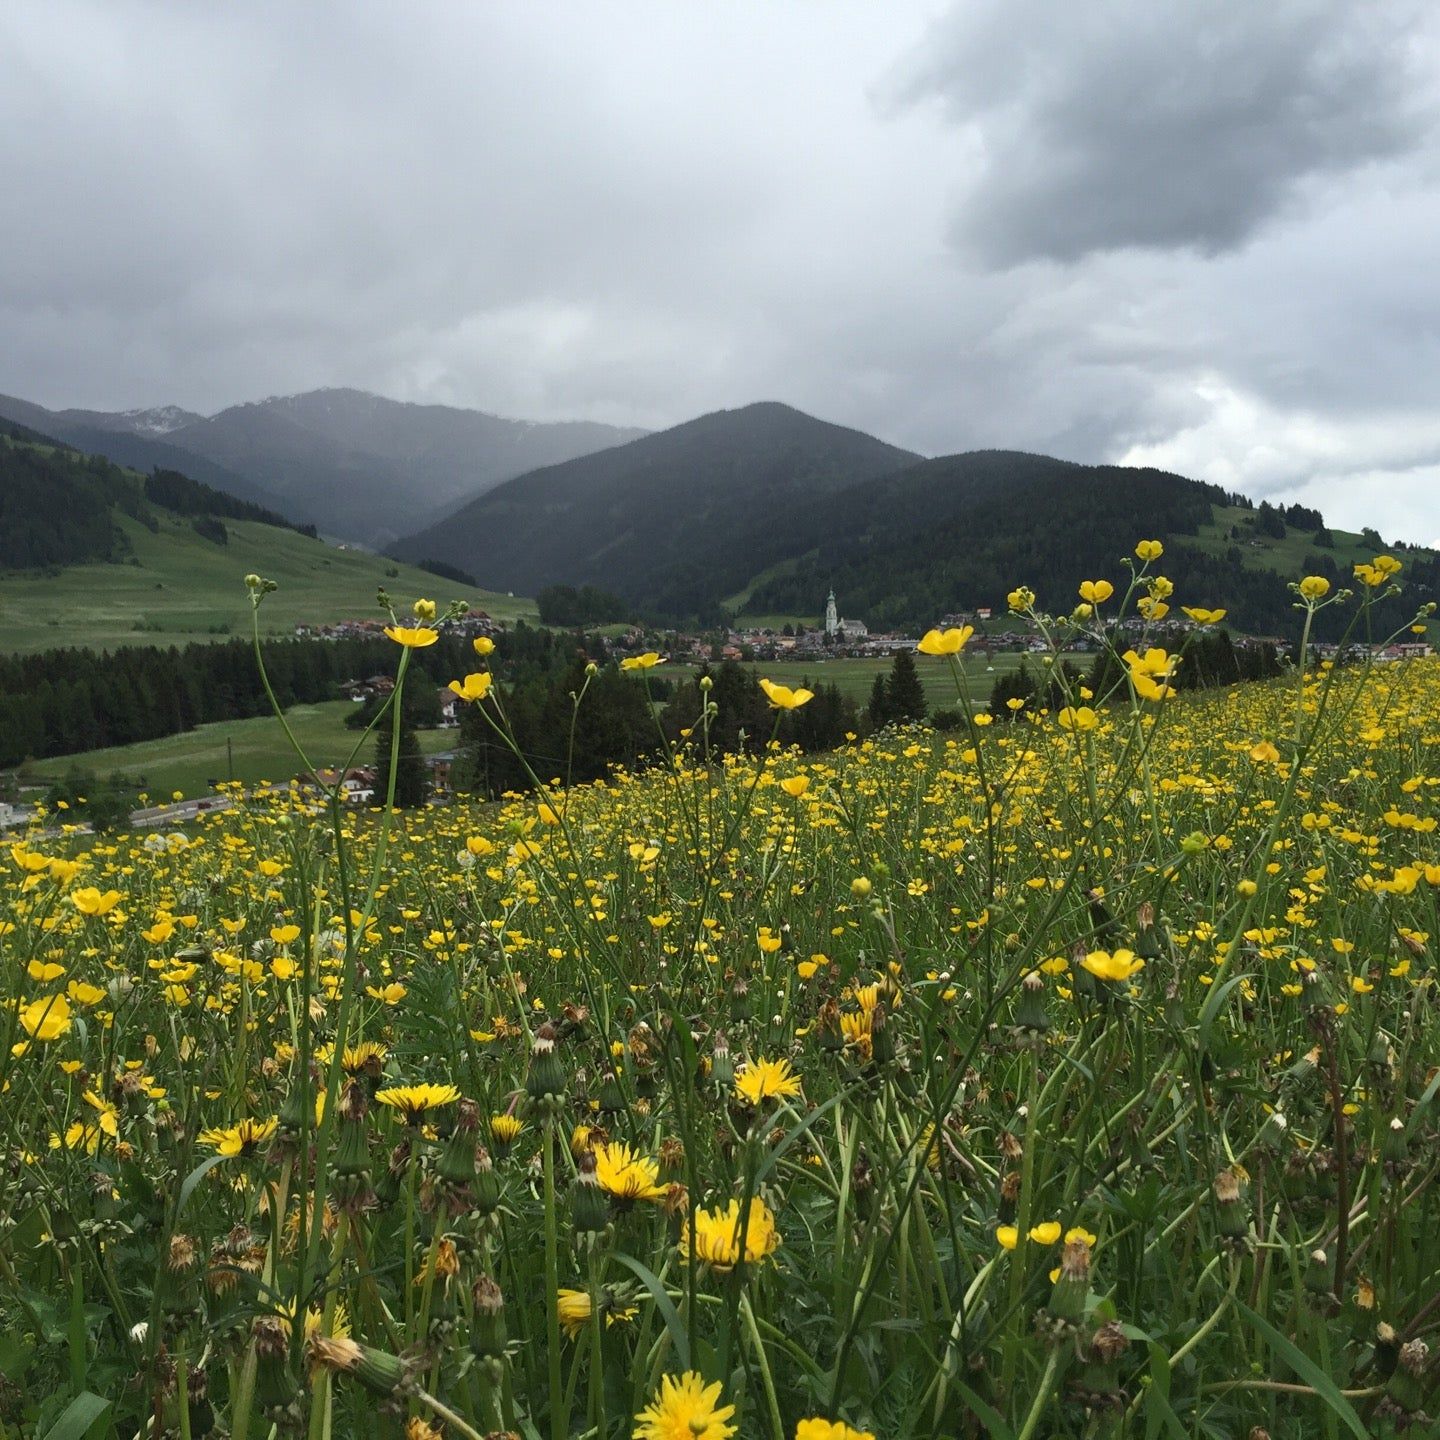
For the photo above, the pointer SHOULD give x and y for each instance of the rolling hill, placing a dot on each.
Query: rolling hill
(762, 510)
(96, 555)
(671, 522)
(358, 466)
(961, 531)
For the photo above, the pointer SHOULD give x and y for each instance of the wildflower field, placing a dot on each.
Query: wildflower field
(1075, 1076)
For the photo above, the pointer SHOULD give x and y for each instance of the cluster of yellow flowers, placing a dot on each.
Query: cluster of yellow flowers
(767, 1065)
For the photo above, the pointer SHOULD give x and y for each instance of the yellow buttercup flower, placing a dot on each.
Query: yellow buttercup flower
(945, 642)
(795, 785)
(1083, 718)
(1007, 1236)
(648, 661)
(91, 901)
(782, 697)
(475, 686)
(1204, 617)
(1021, 598)
(764, 1079)
(47, 1018)
(1314, 587)
(483, 645)
(1096, 592)
(1149, 550)
(816, 1429)
(685, 1408)
(412, 637)
(1047, 1233)
(1112, 965)
(1151, 672)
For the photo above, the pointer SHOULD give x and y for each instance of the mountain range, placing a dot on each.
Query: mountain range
(671, 522)
(357, 466)
(762, 510)
(755, 511)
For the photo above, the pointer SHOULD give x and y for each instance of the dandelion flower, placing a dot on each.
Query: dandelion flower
(816, 1429)
(685, 1408)
(716, 1238)
(244, 1138)
(762, 1079)
(626, 1175)
(574, 1309)
(412, 1101)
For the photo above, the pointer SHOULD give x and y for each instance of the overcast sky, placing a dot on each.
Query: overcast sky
(1199, 235)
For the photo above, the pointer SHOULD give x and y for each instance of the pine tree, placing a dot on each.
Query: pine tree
(412, 780)
(904, 690)
(879, 707)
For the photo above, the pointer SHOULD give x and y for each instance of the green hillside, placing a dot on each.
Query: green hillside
(251, 751)
(95, 555)
(673, 522)
(962, 531)
(177, 587)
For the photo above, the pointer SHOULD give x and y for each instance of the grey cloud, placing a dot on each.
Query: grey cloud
(1125, 123)
(635, 213)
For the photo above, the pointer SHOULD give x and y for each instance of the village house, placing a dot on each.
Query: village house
(357, 786)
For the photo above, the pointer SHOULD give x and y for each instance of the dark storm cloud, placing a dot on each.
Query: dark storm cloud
(1194, 235)
(1128, 123)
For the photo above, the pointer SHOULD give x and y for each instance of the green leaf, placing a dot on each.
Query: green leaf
(15, 1357)
(194, 1178)
(79, 1417)
(1158, 1410)
(1308, 1371)
(1213, 1001)
(988, 1416)
(664, 1305)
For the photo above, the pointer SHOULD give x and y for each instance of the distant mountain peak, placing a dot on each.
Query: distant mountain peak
(159, 419)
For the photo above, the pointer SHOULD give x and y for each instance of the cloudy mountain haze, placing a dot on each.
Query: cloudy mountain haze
(1197, 237)
(359, 466)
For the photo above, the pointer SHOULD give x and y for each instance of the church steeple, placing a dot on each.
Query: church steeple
(832, 615)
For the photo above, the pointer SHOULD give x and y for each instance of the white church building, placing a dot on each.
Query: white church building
(838, 629)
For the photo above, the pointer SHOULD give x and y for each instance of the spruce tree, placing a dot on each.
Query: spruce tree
(904, 690)
(412, 780)
(879, 707)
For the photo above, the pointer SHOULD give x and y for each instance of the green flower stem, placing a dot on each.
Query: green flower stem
(766, 1378)
(559, 1420)
(1042, 1396)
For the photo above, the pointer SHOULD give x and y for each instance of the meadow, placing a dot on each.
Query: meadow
(251, 752)
(182, 588)
(854, 676)
(1074, 1076)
